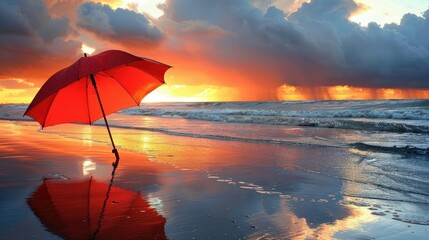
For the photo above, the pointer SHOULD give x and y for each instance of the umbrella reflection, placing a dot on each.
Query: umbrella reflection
(88, 209)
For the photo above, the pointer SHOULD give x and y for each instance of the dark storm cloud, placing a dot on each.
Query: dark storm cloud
(384, 57)
(118, 25)
(414, 28)
(30, 36)
(316, 45)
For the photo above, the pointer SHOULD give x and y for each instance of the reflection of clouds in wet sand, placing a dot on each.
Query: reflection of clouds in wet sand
(358, 216)
(275, 215)
(294, 227)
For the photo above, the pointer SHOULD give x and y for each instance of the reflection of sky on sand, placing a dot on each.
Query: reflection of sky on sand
(314, 178)
(235, 212)
(293, 227)
(233, 189)
(283, 170)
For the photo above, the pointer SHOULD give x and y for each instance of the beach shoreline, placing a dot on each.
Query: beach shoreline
(204, 188)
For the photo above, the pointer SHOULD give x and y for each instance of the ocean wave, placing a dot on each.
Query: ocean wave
(310, 104)
(14, 106)
(213, 113)
(374, 109)
(394, 127)
(222, 137)
(358, 145)
(265, 118)
(391, 149)
(397, 116)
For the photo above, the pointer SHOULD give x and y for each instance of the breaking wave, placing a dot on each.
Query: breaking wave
(304, 118)
(391, 149)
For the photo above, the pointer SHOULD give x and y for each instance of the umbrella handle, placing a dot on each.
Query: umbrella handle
(115, 163)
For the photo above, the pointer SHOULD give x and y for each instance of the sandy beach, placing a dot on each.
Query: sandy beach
(203, 188)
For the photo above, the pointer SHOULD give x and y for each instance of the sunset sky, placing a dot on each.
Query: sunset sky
(227, 50)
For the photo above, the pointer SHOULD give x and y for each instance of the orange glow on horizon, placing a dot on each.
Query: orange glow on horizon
(296, 93)
(214, 93)
(8, 95)
(187, 93)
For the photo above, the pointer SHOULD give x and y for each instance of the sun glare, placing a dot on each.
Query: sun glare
(88, 166)
(173, 93)
(87, 49)
(386, 11)
(190, 93)
(147, 6)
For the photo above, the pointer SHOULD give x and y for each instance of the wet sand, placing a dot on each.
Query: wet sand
(204, 189)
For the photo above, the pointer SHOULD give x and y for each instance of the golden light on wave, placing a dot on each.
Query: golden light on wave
(295, 93)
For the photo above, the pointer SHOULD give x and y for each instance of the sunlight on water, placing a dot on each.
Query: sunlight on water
(88, 167)
(156, 203)
(86, 135)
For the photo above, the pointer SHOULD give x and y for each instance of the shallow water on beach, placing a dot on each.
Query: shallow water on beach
(234, 180)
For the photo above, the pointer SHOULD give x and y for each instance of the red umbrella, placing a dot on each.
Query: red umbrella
(94, 210)
(72, 95)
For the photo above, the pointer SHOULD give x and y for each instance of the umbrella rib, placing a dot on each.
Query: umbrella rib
(50, 105)
(138, 104)
(149, 73)
(129, 65)
(87, 101)
(51, 200)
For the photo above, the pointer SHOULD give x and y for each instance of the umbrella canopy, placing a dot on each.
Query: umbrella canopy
(122, 81)
(94, 210)
(94, 87)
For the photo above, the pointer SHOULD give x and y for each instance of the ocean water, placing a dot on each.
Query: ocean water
(389, 125)
(400, 126)
(373, 154)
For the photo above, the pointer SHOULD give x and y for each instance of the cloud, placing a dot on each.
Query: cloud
(16, 83)
(383, 57)
(253, 46)
(31, 18)
(31, 41)
(361, 8)
(317, 45)
(414, 28)
(119, 25)
(16, 90)
(288, 6)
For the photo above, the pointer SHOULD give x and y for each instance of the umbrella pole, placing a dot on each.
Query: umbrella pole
(115, 151)
(103, 209)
